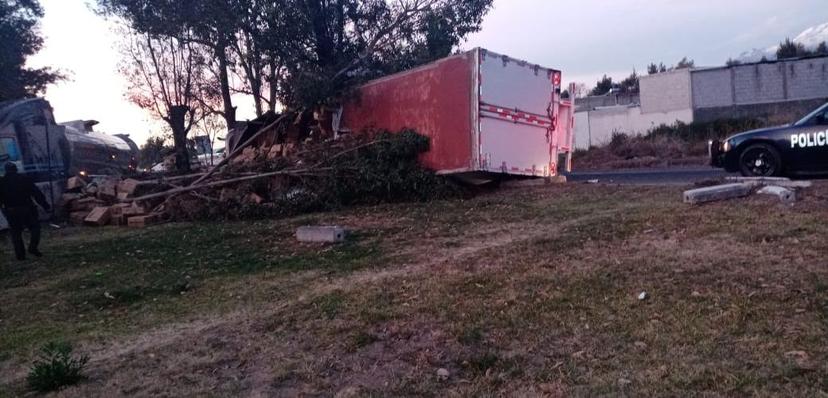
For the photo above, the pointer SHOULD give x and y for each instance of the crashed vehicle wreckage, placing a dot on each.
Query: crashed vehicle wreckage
(477, 116)
(49, 152)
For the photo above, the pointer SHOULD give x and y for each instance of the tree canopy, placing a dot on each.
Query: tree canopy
(298, 54)
(302, 53)
(19, 39)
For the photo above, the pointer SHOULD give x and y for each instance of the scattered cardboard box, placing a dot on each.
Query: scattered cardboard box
(128, 187)
(99, 216)
(85, 204)
(143, 221)
(253, 198)
(78, 217)
(75, 184)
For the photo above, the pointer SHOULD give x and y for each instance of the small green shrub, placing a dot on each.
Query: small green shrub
(56, 368)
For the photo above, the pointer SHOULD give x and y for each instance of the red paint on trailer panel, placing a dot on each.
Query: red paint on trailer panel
(434, 100)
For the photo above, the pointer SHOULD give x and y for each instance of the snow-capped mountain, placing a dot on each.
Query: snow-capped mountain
(810, 38)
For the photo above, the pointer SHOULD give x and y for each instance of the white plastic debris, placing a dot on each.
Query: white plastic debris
(443, 374)
(786, 195)
(643, 296)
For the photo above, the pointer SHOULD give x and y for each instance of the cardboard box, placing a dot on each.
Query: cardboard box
(99, 216)
(77, 217)
(75, 184)
(143, 221)
(85, 204)
(107, 188)
(127, 187)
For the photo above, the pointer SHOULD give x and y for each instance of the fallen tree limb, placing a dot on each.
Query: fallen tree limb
(163, 179)
(175, 191)
(238, 150)
(193, 193)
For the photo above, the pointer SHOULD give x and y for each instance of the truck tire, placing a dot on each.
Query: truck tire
(760, 160)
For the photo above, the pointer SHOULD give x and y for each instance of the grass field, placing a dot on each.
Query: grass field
(522, 292)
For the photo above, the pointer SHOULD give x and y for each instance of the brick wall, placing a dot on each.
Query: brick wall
(666, 92)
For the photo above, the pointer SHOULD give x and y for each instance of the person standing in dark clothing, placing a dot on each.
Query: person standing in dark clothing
(16, 194)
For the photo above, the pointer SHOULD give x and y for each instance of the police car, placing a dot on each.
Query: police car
(798, 148)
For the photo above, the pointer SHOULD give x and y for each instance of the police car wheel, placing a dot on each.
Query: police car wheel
(760, 160)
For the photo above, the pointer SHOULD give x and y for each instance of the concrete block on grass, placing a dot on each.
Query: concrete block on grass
(325, 234)
(786, 195)
(718, 192)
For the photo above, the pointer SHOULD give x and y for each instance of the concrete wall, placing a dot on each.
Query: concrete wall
(588, 103)
(774, 113)
(713, 88)
(783, 81)
(666, 92)
(595, 128)
(759, 83)
(808, 78)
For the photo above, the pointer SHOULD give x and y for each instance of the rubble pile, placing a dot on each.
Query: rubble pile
(103, 201)
(274, 178)
(284, 179)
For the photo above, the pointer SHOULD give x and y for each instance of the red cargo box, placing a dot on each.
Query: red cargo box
(484, 112)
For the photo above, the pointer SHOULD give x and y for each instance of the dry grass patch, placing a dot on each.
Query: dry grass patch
(527, 292)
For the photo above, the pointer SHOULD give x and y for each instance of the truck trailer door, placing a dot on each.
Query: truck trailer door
(516, 116)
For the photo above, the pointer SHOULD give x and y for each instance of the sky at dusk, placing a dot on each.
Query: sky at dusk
(584, 38)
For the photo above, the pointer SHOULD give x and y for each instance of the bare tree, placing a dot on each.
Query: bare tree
(166, 77)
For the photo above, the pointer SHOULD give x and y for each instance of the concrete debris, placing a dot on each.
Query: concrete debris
(786, 195)
(716, 193)
(309, 234)
(775, 181)
(784, 188)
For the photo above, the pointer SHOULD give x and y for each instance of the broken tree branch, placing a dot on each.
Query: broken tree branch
(238, 150)
(175, 191)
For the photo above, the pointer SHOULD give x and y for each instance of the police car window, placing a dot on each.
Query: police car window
(823, 118)
(813, 117)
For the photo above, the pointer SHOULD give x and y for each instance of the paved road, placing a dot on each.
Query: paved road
(674, 176)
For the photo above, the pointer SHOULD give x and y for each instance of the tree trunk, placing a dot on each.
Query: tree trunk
(273, 86)
(178, 116)
(324, 45)
(224, 81)
(256, 89)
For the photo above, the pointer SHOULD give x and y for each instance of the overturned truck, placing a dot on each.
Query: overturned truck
(478, 116)
(485, 114)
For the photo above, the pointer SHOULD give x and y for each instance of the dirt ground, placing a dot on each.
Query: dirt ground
(521, 292)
